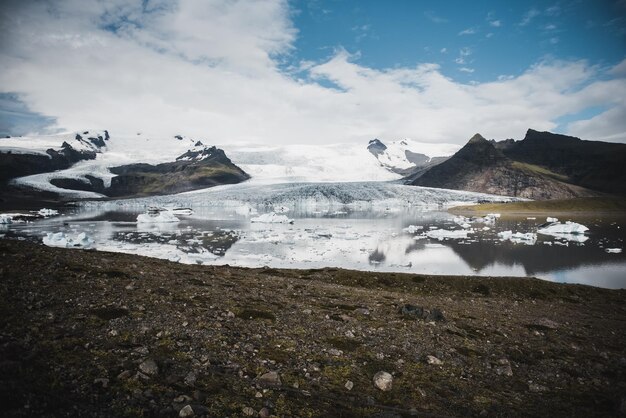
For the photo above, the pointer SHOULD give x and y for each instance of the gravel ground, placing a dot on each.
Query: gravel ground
(86, 333)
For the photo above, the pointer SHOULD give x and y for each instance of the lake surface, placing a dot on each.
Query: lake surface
(359, 236)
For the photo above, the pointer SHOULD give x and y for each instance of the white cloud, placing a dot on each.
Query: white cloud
(434, 17)
(210, 69)
(466, 70)
(463, 54)
(529, 16)
(468, 31)
(496, 23)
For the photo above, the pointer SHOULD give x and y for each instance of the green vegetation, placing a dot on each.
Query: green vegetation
(532, 168)
(583, 204)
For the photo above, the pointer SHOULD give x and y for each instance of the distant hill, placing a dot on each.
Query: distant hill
(592, 164)
(196, 169)
(484, 166)
(94, 165)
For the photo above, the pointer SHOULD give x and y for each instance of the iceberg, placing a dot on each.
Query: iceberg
(60, 239)
(556, 229)
(442, 234)
(412, 229)
(48, 212)
(528, 238)
(272, 218)
(182, 211)
(551, 220)
(613, 250)
(6, 219)
(161, 217)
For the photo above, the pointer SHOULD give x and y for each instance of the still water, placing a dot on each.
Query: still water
(378, 240)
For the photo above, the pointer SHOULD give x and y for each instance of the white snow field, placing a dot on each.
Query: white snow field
(347, 162)
(395, 156)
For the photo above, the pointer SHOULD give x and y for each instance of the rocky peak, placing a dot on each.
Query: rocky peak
(376, 147)
(477, 139)
(201, 154)
(479, 151)
(532, 136)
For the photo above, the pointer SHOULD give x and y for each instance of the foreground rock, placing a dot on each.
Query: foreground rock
(101, 334)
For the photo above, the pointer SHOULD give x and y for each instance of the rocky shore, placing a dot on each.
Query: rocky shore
(86, 333)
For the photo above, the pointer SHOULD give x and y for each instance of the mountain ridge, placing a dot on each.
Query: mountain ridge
(492, 167)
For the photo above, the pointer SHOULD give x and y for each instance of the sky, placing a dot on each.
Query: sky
(317, 71)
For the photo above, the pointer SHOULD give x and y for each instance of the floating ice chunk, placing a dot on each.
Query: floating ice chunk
(550, 219)
(48, 212)
(462, 221)
(613, 250)
(161, 217)
(531, 218)
(6, 219)
(441, 234)
(182, 211)
(272, 218)
(60, 239)
(528, 238)
(567, 228)
(411, 229)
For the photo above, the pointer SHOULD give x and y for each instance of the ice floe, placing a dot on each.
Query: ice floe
(48, 212)
(613, 250)
(550, 219)
(412, 229)
(567, 228)
(442, 234)
(272, 218)
(182, 211)
(528, 238)
(60, 239)
(462, 221)
(161, 217)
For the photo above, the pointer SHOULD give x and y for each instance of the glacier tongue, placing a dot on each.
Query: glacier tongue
(309, 197)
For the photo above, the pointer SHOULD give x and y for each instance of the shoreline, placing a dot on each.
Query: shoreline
(105, 334)
(583, 207)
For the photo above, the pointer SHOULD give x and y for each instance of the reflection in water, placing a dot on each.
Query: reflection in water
(368, 240)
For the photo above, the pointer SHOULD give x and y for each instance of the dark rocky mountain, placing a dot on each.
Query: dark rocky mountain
(376, 147)
(196, 169)
(481, 166)
(592, 164)
(14, 165)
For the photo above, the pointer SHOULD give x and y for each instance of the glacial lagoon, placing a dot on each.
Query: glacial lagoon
(406, 230)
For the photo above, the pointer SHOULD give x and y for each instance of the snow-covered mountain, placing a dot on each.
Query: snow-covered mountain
(88, 177)
(405, 155)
